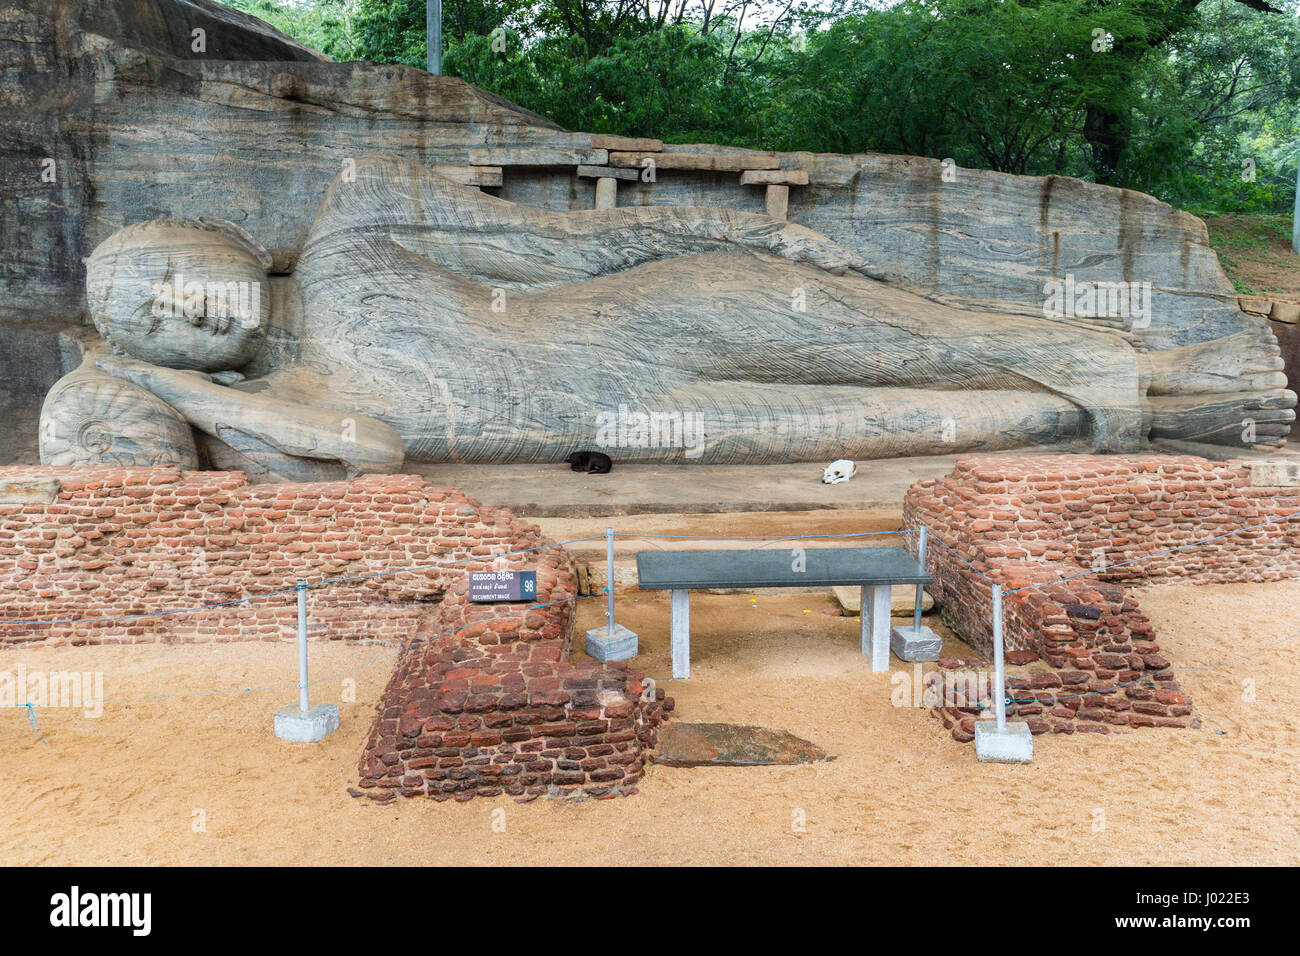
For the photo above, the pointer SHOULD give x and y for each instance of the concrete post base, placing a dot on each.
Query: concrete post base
(306, 728)
(619, 647)
(1014, 744)
(912, 645)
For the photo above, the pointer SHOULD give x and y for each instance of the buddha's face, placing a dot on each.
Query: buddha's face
(188, 295)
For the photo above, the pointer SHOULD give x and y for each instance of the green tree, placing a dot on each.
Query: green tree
(1217, 125)
(325, 25)
(1168, 96)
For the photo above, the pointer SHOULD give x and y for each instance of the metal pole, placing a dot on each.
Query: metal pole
(609, 581)
(920, 588)
(999, 669)
(302, 646)
(1295, 217)
(433, 35)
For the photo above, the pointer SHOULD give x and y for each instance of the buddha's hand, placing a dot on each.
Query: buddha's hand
(361, 443)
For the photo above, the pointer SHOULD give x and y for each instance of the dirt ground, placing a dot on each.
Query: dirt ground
(202, 780)
(1256, 253)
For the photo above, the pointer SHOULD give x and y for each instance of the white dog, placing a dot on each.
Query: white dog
(838, 471)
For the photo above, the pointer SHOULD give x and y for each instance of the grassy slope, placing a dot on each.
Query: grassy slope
(1256, 253)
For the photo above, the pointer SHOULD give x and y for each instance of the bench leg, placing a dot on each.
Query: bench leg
(680, 629)
(864, 615)
(874, 637)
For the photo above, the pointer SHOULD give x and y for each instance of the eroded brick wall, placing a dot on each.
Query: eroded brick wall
(1078, 647)
(139, 541)
(482, 700)
(465, 718)
(487, 703)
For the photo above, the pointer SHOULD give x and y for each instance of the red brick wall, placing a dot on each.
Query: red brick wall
(503, 712)
(496, 708)
(482, 699)
(1079, 646)
(123, 541)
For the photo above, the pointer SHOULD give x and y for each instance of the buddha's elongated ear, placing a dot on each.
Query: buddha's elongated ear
(242, 236)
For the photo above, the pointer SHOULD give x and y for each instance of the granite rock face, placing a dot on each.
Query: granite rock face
(115, 115)
(482, 330)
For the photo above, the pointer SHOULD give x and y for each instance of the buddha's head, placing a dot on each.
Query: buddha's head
(188, 294)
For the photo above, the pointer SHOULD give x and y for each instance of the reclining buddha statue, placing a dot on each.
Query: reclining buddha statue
(427, 321)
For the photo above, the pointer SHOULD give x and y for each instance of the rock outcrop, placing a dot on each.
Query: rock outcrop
(116, 113)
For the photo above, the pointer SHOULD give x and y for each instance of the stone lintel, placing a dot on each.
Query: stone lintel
(1274, 474)
(536, 156)
(774, 177)
(708, 162)
(608, 172)
(29, 491)
(471, 175)
(639, 144)
(1288, 312)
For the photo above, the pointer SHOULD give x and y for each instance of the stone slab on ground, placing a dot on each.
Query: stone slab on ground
(29, 491)
(902, 599)
(733, 745)
(1274, 474)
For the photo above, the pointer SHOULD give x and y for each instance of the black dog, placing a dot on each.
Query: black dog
(593, 462)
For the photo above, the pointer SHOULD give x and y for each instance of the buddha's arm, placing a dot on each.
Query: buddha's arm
(362, 444)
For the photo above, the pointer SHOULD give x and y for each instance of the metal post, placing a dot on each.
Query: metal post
(609, 581)
(999, 669)
(920, 588)
(1295, 217)
(433, 35)
(302, 646)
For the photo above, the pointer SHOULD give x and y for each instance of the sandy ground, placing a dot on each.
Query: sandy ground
(202, 780)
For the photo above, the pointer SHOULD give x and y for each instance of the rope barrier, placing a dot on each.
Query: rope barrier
(292, 588)
(33, 720)
(31, 708)
(959, 556)
(1150, 677)
(759, 537)
(364, 664)
(1155, 554)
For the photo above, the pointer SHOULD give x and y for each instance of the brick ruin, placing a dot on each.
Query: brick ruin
(1079, 651)
(499, 710)
(482, 701)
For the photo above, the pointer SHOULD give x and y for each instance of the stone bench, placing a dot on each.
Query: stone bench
(875, 570)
